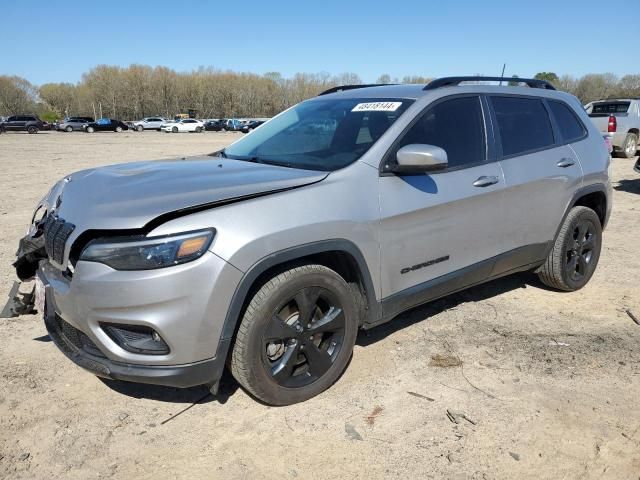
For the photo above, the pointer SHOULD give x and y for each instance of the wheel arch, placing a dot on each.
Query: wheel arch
(634, 130)
(593, 197)
(341, 255)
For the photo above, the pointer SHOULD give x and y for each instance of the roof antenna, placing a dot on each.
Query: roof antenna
(502, 74)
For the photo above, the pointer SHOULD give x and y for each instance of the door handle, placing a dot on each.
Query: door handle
(485, 181)
(566, 162)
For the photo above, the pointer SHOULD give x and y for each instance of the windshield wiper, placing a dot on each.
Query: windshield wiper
(256, 159)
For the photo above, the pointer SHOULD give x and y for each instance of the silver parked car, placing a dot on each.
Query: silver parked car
(149, 123)
(619, 120)
(337, 214)
(71, 124)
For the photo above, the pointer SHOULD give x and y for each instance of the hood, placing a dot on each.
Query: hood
(130, 195)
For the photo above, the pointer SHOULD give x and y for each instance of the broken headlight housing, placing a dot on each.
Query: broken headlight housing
(148, 253)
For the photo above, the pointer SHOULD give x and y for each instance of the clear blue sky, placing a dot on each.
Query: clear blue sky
(58, 41)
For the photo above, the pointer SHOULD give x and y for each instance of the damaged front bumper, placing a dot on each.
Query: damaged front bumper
(81, 350)
(85, 343)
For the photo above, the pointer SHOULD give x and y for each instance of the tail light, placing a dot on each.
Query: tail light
(613, 124)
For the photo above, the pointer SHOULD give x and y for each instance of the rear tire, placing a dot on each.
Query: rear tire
(630, 146)
(296, 336)
(575, 253)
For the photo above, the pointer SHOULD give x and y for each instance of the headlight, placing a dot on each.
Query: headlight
(149, 253)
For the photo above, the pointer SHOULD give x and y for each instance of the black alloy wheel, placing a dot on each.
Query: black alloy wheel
(304, 337)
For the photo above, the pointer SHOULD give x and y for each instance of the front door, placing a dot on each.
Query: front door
(442, 227)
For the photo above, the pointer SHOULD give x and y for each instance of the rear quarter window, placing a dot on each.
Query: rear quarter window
(571, 128)
(523, 123)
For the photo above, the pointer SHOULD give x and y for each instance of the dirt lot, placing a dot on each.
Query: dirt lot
(542, 384)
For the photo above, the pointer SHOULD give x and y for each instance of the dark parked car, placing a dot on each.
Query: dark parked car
(213, 126)
(74, 123)
(246, 128)
(22, 123)
(106, 125)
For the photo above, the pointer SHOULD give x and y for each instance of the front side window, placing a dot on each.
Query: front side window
(523, 123)
(320, 134)
(456, 126)
(570, 127)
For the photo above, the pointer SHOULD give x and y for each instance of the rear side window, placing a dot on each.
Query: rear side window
(570, 127)
(454, 125)
(523, 123)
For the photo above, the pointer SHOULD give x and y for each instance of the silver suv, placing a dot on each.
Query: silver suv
(337, 214)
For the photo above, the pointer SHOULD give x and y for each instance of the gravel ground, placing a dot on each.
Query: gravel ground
(506, 380)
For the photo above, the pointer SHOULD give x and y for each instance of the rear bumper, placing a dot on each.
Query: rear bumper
(81, 350)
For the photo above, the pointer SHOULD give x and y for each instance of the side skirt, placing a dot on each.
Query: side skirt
(517, 260)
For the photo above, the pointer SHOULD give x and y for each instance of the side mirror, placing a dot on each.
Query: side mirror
(419, 158)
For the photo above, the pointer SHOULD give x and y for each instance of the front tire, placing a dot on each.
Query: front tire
(630, 146)
(174, 129)
(68, 129)
(296, 336)
(118, 129)
(575, 253)
(90, 130)
(140, 128)
(32, 130)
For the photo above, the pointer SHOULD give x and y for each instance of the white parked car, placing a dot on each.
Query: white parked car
(184, 125)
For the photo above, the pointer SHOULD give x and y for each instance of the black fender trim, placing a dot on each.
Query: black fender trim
(581, 192)
(287, 255)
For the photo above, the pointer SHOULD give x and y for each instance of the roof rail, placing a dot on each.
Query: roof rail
(341, 88)
(451, 81)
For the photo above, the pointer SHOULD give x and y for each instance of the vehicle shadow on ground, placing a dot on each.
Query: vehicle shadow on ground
(629, 186)
(423, 312)
(192, 395)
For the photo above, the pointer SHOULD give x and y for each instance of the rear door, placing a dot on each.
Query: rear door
(440, 223)
(541, 172)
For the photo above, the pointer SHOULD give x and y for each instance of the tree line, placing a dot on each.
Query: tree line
(137, 91)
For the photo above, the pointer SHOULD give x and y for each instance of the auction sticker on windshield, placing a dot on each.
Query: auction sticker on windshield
(377, 107)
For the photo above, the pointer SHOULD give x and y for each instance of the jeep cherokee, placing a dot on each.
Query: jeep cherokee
(335, 215)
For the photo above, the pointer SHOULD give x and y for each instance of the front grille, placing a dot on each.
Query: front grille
(77, 338)
(56, 233)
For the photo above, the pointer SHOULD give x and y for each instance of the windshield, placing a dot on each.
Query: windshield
(320, 134)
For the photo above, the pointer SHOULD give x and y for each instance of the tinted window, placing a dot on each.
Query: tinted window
(12, 119)
(570, 127)
(454, 125)
(610, 107)
(523, 123)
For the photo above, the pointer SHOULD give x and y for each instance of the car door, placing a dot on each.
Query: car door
(15, 123)
(541, 173)
(442, 227)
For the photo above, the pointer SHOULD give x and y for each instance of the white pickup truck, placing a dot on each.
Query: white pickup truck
(619, 120)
